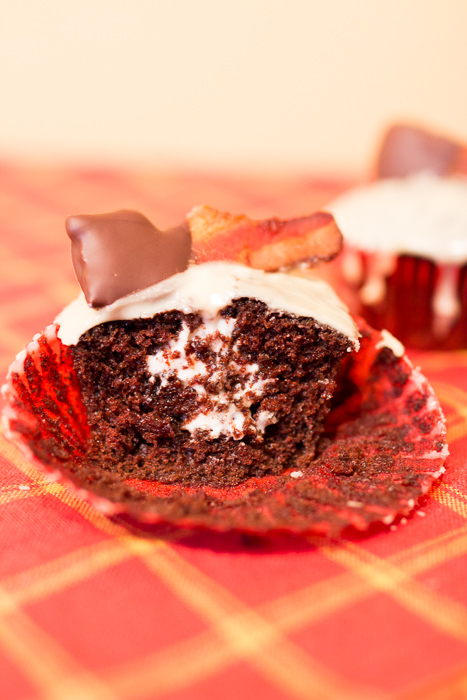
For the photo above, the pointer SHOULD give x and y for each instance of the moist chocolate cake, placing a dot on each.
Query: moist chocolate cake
(177, 400)
(210, 376)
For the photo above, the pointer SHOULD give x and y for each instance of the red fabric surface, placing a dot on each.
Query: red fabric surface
(99, 608)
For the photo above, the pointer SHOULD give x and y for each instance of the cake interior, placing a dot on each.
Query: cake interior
(179, 398)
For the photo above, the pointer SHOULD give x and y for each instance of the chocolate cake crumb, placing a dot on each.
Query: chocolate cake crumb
(138, 421)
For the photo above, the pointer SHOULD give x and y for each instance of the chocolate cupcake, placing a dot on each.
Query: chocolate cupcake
(192, 382)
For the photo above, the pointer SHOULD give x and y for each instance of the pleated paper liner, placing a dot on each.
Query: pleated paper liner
(422, 303)
(383, 447)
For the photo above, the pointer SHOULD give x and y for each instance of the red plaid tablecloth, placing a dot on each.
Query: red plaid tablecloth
(93, 608)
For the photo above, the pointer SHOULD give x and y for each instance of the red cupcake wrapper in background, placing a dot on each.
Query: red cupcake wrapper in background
(408, 304)
(384, 445)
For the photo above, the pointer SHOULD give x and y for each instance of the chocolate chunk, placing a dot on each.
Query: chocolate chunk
(119, 253)
(407, 150)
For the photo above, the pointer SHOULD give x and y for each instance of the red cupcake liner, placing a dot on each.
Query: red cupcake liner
(407, 307)
(383, 447)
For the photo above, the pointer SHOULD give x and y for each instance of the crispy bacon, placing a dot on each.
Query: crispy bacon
(270, 244)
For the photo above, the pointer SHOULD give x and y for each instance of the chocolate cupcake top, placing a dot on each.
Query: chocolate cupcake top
(127, 268)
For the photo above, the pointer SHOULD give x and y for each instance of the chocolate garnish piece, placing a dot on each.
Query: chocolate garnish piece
(407, 150)
(122, 252)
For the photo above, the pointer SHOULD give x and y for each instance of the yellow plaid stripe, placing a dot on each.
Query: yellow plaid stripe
(59, 574)
(245, 632)
(17, 494)
(451, 498)
(173, 669)
(446, 615)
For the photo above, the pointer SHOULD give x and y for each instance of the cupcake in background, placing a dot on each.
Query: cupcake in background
(404, 265)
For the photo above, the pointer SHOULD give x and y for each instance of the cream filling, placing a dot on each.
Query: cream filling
(173, 360)
(208, 288)
(219, 413)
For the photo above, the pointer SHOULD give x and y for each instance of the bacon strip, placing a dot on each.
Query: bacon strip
(268, 245)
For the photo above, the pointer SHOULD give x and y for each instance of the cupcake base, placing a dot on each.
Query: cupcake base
(384, 445)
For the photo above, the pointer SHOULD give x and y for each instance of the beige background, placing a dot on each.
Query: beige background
(265, 85)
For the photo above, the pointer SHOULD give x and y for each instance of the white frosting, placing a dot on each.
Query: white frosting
(446, 304)
(388, 341)
(209, 288)
(423, 215)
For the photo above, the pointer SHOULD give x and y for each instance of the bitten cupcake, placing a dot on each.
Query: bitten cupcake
(404, 265)
(192, 382)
